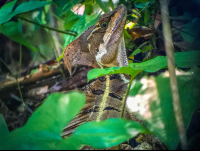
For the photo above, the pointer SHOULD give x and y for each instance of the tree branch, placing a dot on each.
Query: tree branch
(68, 32)
(171, 67)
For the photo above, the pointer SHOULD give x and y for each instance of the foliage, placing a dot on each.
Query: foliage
(43, 129)
(159, 116)
(161, 109)
(138, 50)
(182, 59)
(3, 126)
(192, 28)
(6, 12)
(11, 29)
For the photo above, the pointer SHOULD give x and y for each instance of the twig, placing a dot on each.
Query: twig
(68, 32)
(171, 67)
(20, 54)
(125, 97)
(20, 100)
(124, 104)
(16, 83)
(39, 75)
(181, 47)
(16, 78)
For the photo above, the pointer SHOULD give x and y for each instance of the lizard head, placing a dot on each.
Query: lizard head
(101, 45)
(106, 41)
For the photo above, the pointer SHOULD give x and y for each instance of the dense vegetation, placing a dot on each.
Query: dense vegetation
(38, 31)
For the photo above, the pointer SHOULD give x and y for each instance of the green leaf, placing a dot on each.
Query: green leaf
(146, 15)
(7, 8)
(3, 126)
(67, 5)
(11, 30)
(21, 139)
(43, 129)
(146, 48)
(88, 9)
(94, 73)
(24, 7)
(31, 5)
(182, 59)
(138, 50)
(111, 4)
(154, 41)
(141, 5)
(108, 133)
(103, 6)
(158, 113)
(56, 107)
(34, 71)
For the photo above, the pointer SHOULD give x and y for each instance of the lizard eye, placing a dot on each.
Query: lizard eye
(104, 25)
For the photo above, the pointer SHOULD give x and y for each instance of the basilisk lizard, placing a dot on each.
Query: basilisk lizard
(100, 46)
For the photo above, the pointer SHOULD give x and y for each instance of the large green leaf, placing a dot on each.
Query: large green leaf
(24, 7)
(94, 73)
(182, 59)
(57, 106)
(21, 139)
(3, 126)
(7, 8)
(108, 133)
(153, 101)
(43, 129)
(31, 5)
(11, 30)
(146, 15)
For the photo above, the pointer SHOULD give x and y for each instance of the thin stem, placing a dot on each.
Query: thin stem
(124, 104)
(20, 100)
(125, 97)
(68, 32)
(171, 67)
(20, 54)
(7, 66)
(20, 93)
(20, 63)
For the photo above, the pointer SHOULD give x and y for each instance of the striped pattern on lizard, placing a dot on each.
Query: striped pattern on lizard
(100, 46)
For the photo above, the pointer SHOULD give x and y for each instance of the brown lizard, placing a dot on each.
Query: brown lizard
(100, 46)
